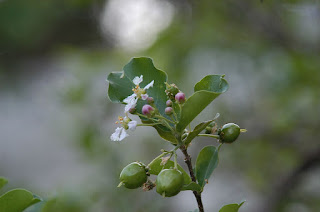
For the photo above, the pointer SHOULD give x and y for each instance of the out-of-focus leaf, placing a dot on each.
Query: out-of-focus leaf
(17, 200)
(231, 207)
(3, 182)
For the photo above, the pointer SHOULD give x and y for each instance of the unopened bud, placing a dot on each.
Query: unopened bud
(147, 110)
(168, 110)
(169, 103)
(180, 97)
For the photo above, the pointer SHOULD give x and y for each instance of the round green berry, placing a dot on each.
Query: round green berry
(133, 175)
(169, 182)
(229, 133)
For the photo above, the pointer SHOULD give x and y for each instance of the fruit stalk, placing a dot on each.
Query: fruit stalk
(187, 160)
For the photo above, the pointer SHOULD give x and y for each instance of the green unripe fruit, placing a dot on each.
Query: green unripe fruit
(169, 182)
(133, 175)
(229, 133)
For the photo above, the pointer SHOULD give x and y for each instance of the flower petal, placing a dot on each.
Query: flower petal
(137, 80)
(131, 104)
(149, 85)
(132, 125)
(129, 98)
(144, 96)
(119, 134)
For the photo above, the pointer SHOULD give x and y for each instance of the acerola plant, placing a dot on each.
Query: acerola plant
(146, 94)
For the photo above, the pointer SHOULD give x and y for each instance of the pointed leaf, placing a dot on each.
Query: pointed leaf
(209, 88)
(17, 200)
(196, 131)
(231, 207)
(3, 182)
(206, 162)
(155, 168)
(192, 186)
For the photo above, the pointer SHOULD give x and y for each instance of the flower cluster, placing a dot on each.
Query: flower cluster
(149, 110)
(131, 102)
(138, 93)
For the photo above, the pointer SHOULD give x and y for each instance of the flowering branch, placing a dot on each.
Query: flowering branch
(164, 107)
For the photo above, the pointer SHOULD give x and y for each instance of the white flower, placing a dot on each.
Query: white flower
(149, 85)
(119, 134)
(131, 102)
(138, 93)
(137, 80)
(132, 125)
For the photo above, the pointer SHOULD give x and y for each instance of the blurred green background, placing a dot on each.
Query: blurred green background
(56, 119)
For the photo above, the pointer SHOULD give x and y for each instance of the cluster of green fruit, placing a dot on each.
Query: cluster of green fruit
(169, 181)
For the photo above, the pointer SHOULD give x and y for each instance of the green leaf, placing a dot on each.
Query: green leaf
(155, 168)
(206, 162)
(192, 186)
(3, 182)
(196, 131)
(17, 200)
(166, 134)
(209, 88)
(231, 207)
(121, 85)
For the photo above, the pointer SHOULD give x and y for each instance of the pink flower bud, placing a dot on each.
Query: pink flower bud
(168, 110)
(147, 110)
(180, 98)
(169, 103)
